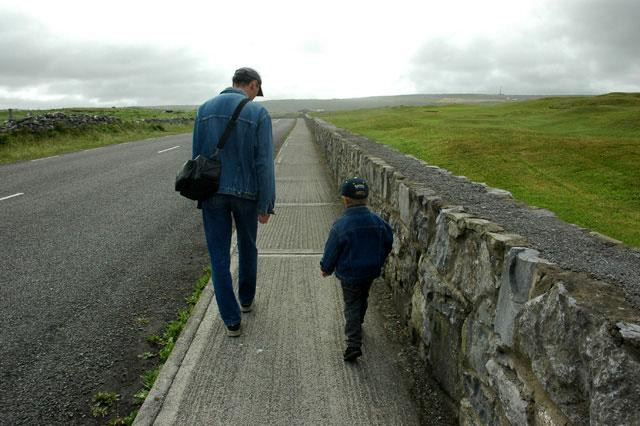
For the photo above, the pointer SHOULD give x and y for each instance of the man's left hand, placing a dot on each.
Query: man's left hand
(263, 218)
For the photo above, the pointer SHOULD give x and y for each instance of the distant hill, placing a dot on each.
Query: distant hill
(174, 107)
(293, 106)
(288, 106)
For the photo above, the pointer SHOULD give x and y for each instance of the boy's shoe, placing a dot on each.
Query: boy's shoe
(246, 308)
(233, 330)
(352, 353)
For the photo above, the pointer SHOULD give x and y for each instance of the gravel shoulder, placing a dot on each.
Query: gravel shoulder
(567, 245)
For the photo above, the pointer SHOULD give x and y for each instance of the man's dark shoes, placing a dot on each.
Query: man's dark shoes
(233, 330)
(352, 353)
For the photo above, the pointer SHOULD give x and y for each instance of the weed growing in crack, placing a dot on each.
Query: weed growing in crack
(103, 402)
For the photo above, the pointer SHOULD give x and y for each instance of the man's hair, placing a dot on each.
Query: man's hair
(244, 76)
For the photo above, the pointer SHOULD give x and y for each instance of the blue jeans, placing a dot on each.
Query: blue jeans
(216, 213)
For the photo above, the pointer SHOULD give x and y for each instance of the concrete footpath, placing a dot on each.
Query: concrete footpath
(286, 368)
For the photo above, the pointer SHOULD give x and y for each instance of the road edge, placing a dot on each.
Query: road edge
(155, 399)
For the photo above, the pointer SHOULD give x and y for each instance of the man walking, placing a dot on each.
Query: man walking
(246, 193)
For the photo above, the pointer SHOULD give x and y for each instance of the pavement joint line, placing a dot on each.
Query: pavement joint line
(12, 196)
(168, 149)
(45, 158)
(306, 204)
(291, 251)
(290, 254)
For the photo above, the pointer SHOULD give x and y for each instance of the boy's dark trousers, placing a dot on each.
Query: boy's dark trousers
(355, 307)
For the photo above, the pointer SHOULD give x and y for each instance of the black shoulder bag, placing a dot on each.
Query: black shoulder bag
(199, 178)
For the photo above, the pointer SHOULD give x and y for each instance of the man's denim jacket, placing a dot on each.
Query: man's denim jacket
(247, 157)
(357, 247)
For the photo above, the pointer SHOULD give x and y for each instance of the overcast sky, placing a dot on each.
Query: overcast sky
(68, 53)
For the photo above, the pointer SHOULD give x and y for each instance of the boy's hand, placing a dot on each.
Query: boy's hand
(263, 218)
(324, 274)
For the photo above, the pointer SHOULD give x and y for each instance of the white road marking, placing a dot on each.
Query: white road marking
(45, 158)
(11, 196)
(168, 149)
(284, 145)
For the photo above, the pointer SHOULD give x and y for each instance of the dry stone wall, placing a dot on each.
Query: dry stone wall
(512, 338)
(52, 120)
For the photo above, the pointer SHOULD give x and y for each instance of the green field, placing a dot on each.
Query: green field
(26, 146)
(577, 156)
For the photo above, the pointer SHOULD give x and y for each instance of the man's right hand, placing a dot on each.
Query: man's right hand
(263, 218)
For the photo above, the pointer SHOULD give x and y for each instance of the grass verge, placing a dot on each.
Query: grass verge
(577, 156)
(23, 145)
(162, 344)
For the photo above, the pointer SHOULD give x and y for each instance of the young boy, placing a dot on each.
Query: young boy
(356, 249)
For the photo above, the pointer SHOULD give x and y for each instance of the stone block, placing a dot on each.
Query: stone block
(417, 320)
(466, 415)
(507, 240)
(500, 193)
(407, 262)
(445, 313)
(404, 204)
(424, 221)
(578, 353)
(387, 174)
(482, 225)
(444, 248)
(542, 417)
(630, 333)
(479, 406)
(499, 245)
(457, 221)
(519, 273)
(473, 272)
(376, 181)
(478, 338)
(515, 399)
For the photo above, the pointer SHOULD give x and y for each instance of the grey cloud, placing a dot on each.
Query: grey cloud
(586, 46)
(97, 73)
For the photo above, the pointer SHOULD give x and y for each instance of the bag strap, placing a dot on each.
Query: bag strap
(232, 123)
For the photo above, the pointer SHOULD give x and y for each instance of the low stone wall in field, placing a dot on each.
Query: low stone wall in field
(41, 123)
(53, 120)
(511, 337)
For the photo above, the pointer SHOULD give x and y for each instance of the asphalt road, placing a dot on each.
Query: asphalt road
(97, 251)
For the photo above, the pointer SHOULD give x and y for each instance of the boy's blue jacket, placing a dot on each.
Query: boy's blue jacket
(358, 244)
(247, 158)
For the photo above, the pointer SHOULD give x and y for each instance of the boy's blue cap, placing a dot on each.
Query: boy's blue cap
(355, 188)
